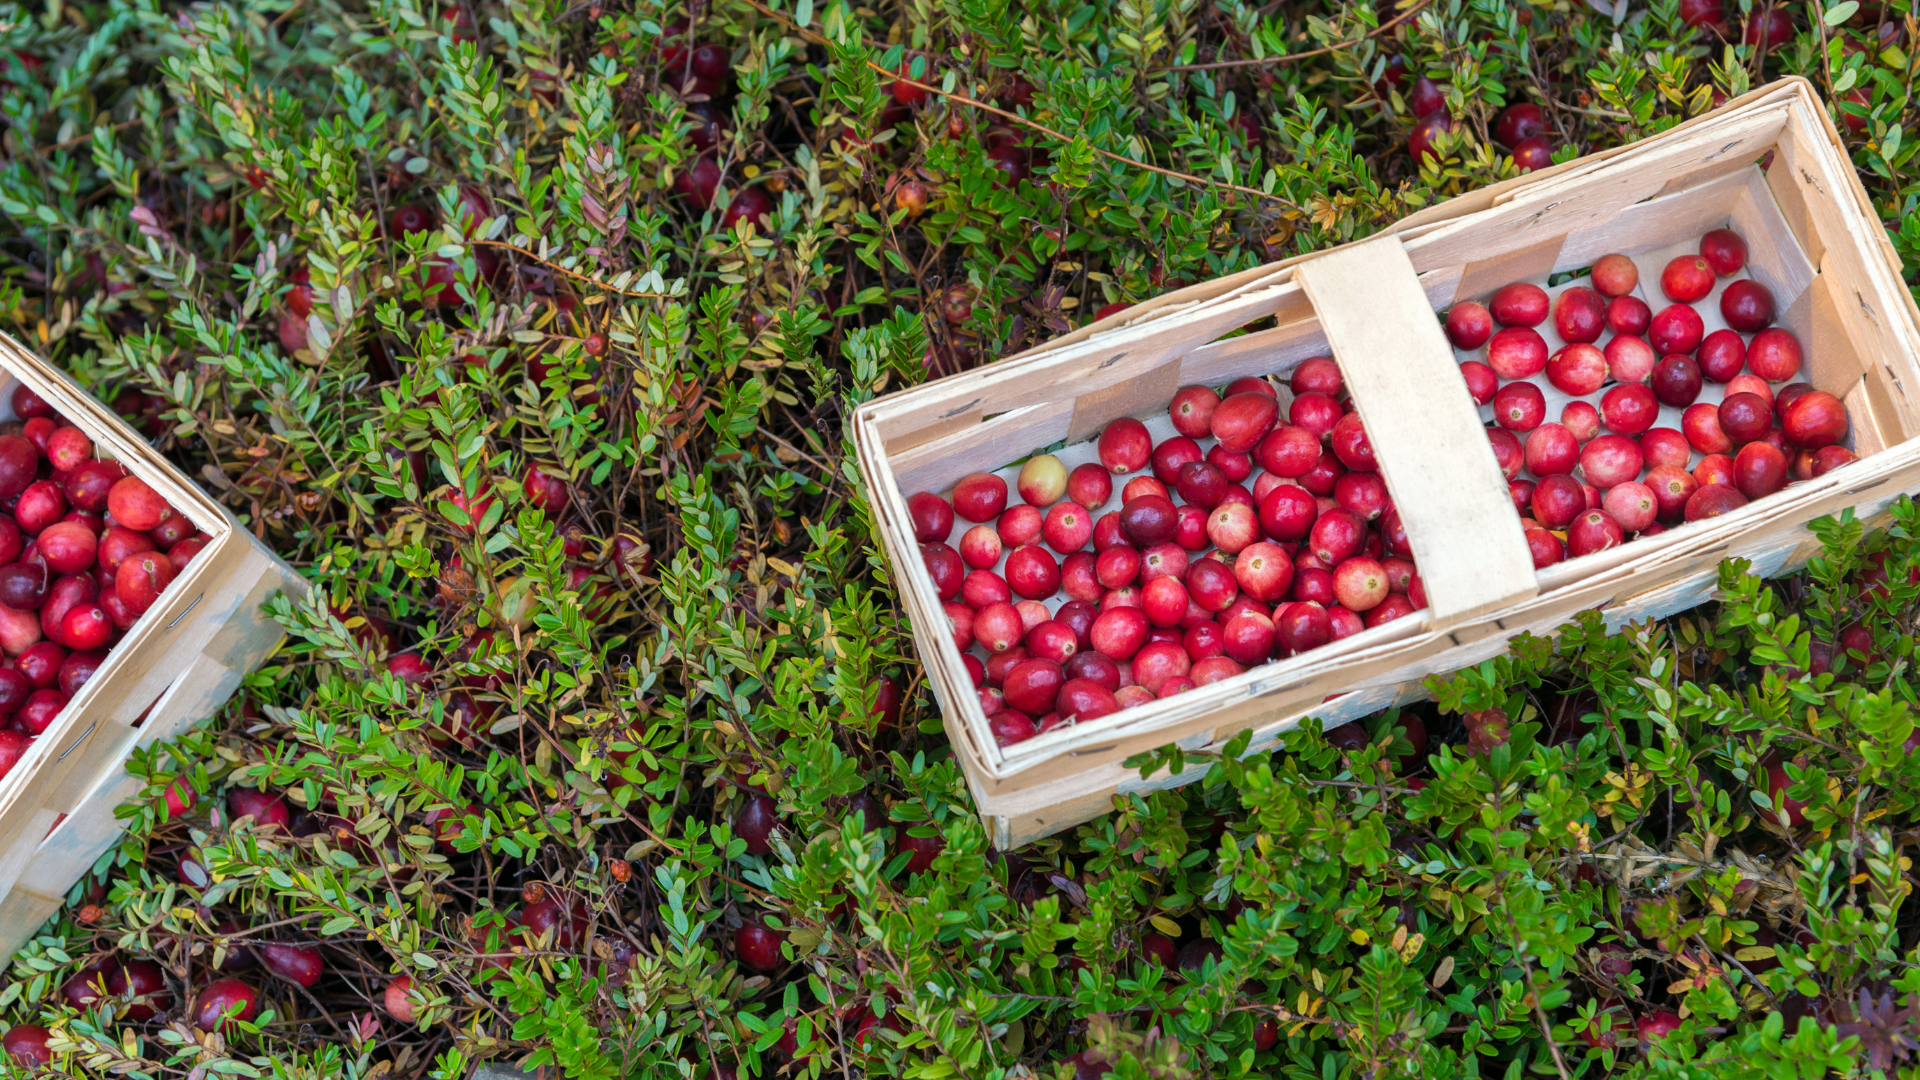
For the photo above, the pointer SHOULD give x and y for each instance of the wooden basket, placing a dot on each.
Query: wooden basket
(1769, 164)
(179, 662)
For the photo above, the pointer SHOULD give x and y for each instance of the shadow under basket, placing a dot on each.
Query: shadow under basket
(1768, 165)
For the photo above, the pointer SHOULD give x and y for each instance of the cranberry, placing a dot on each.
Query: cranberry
(1125, 446)
(1580, 369)
(1287, 513)
(1774, 354)
(1769, 30)
(1713, 500)
(1519, 406)
(1714, 469)
(1828, 458)
(1481, 381)
(754, 822)
(1579, 315)
(1469, 325)
(1724, 250)
(1672, 486)
(298, 964)
(1426, 98)
(1551, 449)
(1533, 154)
(1610, 460)
(1759, 470)
(1703, 13)
(1614, 276)
(699, 181)
(26, 1044)
(1517, 352)
(1632, 504)
(1192, 411)
(1676, 329)
(1350, 445)
(1557, 500)
(1665, 446)
(1595, 530)
(1519, 122)
(1745, 417)
(1119, 632)
(1629, 409)
(1676, 381)
(1629, 315)
(1506, 451)
(1687, 279)
(143, 982)
(944, 567)
(1814, 420)
(1520, 304)
(1426, 133)
(1243, 419)
(223, 1000)
(1301, 627)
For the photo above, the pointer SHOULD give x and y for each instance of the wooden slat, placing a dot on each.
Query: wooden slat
(1424, 427)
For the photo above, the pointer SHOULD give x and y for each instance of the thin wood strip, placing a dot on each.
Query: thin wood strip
(1693, 211)
(1439, 467)
(939, 464)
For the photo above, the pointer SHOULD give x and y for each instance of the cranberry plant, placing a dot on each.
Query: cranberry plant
(529, 333)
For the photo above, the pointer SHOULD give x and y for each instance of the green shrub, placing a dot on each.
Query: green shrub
(596, 707)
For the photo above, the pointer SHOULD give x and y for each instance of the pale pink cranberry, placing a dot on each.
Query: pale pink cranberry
(1632, 505)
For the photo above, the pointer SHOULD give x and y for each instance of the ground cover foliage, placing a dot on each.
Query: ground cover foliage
(530, 332)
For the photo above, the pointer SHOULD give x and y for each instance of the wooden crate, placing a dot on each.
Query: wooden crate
(181, 660)
(1769, 164)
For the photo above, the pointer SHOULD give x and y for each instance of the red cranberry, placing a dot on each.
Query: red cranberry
(223, 1000)
(1713, 500)
(1614, 276)
(1519, 406)
(1426, 133)
(1814, 420)
(1192, 411)
(1551, 449)
(1629, 409)
(1579, 315)
(1595, 530)
(1610, 460)
(1519, 122)
(1687, 279)
(1759, 470)
(1579, 370)
(1629, 315)
(1469, 325)
(1426, 98)
(1517, 352)
(1774, 355)
(1676, 381)
(1481, 381)
(1724, 250)
(1557, 500)
(1676, 329)
(1745, 417)
(1090, 485)
(1242, 420)
(1520, 304)
(1747, 306)
(1769, 30)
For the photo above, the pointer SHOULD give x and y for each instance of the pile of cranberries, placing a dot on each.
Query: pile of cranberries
(1275, 538)
(84, 550)
(1608, 468)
